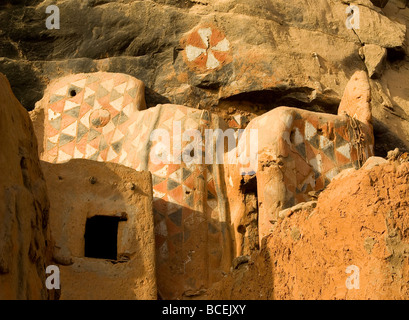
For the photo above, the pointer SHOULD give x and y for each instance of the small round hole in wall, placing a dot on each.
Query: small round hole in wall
(241, 229)
(73, 93)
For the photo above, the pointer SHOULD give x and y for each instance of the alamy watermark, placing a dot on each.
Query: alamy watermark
(210, 148)
(53, 280)
(352, 282)
(353, 19)
(53, 21)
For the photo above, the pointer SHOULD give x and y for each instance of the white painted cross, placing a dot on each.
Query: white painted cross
(192, 52)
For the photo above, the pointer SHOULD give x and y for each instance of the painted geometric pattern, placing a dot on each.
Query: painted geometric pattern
(206, 48)
(319, 150)
(184, 194)
(187, 199)
(94, 117)
(88, 117)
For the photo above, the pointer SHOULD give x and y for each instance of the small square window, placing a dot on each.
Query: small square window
(101, 237)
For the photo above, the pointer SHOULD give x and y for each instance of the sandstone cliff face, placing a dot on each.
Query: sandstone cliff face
(358, 228)
(259, 54)
(238, 59)
(24, 234)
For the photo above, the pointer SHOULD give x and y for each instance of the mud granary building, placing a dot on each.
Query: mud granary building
(86, 107)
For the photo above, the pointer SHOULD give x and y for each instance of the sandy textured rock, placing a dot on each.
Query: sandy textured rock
(301, 151)
(380, 3)
(25, 240)
(360, 221)
(372, 162)
(239, 60)
(286, 44)
(356, 98)
(272, 53)
(375, 59)
(107, 190)
(390, 103)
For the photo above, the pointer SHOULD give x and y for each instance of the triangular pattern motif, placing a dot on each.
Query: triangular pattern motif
(72, 104)
(320, 147)
(93, 117)
(190, 188)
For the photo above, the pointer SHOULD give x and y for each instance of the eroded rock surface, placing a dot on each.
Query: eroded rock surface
(301, 151)
(25, 242)
(234, 61)
(100, 117)
(239, 58)
(360, 222)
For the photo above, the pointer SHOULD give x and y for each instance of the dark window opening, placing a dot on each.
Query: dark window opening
(101, 234)
(248, 184)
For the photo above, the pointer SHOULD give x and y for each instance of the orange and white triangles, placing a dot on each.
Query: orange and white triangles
(121, 88)
(54, 139)
(223, 45)
(62, 156)
(80, 83)
(176, 175)
(162, 172)
(345, 150)
(310, 131)
(118, 135)
(69, 105)
(85, 119)
(118, 103)
(90, 151)
(316, 163)
(78, 154)
(192, 52)
(108, 128)
(71, 130)
(62, 91)
(88, 92)
(53, 115)
(123, 157)
(111, 154)
(108, 84)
